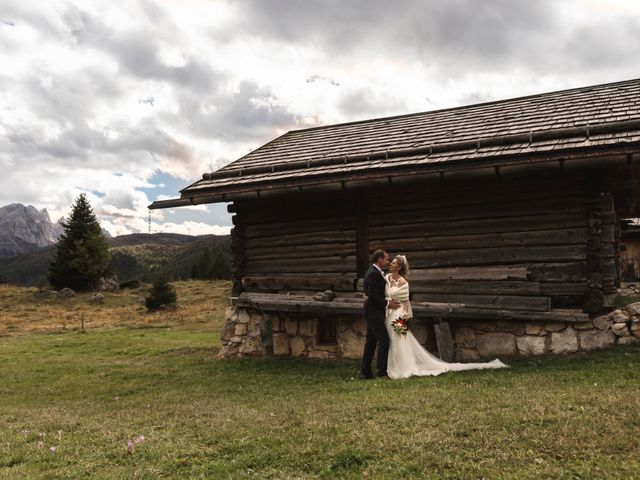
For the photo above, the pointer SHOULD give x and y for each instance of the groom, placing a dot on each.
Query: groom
(375, 306)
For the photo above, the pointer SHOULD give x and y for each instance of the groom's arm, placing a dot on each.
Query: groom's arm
(376, 292)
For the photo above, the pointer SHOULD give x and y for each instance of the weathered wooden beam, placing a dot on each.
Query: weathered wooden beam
(504, 255)
(471, 273)
(509, 302)
(440, 241)
(484, 210)
(337, 283)
(558, 272)
(284, 303)
(460, 227)
(281, 240)
(343, 265)
(476, 287)
(301, 226)
(301, 251)
(444, 340)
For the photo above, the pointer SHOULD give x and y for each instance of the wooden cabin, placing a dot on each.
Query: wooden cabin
(509, 214)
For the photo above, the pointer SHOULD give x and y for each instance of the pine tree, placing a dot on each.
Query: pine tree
(162, 293)
(220, 268)
(201, 270)
(82, 253)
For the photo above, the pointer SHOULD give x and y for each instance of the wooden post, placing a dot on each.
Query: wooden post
(597, 216)
(266, 334)
(444, 341)
(238, 257)
(362, 239)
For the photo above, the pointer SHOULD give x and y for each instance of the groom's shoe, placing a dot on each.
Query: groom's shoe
(366, 376)
(383, 376)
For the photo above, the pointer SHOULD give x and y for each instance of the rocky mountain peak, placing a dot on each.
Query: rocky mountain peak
(24, 228)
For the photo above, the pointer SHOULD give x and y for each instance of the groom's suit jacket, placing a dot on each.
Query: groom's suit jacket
(374, 286)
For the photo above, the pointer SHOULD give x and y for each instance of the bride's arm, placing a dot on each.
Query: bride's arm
(406, 305)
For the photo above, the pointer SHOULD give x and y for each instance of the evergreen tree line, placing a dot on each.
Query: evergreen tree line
(208, 267)
(82, 254)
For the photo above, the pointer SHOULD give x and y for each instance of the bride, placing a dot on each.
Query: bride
(406, 356)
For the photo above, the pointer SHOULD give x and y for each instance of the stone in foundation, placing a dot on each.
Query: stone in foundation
(243, 316)
(602, 322)
(530, 345)
(627, 340)
(305, 327)
(467, 355)
(350, 344)
(465, 338)
(620, 330)
(534, 328)
(595, 339)
(291, 326)
(241, 329)
(298, 347)
(564, 342)
(497, 343)
(280, 344)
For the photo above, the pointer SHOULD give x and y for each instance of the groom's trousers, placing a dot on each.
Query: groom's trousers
(376, 336)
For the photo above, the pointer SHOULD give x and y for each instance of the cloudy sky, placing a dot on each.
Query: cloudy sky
(132, 101)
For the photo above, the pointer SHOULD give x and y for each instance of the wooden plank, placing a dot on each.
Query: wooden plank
(345, 265)
(471, 273)
(505, 287)
(421, 310)
(301, 251)
(563, 288)
(480, 210)
(476, 287)
(466, 227)
(337, 283)
(503, 255)
(286, 227)
(439, 310)
(564, 236)
(511, 302)
(471, 192)
(558, 272)
(328, 236)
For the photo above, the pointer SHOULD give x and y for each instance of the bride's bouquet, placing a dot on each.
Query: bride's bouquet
(401, 326)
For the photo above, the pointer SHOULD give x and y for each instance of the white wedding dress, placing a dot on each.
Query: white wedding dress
(406, 356)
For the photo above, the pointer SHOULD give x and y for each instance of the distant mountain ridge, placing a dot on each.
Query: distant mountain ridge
(25, 229)
(136, 256)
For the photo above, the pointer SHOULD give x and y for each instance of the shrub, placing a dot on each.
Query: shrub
(162, 293)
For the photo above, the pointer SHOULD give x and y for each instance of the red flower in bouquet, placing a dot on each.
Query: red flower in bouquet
(401, 326)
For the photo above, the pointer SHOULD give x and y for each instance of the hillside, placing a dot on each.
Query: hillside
(135, 257)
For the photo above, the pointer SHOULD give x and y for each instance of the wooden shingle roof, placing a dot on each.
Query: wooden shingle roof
(532, 128)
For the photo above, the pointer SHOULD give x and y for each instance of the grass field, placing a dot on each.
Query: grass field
(86, 395)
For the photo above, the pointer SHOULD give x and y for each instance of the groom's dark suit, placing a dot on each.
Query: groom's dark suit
(374, 313)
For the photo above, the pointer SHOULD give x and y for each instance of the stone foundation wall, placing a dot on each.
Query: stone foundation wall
(248, 332)
(487, 340)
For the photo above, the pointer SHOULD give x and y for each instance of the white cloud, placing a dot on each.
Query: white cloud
(100, 97)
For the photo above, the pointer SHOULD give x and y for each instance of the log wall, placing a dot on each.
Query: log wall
(531, 245)
(299, 246)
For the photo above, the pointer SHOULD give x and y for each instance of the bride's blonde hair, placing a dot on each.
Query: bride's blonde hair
(404, 265)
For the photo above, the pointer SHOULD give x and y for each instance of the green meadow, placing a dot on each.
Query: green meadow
(152, 400)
